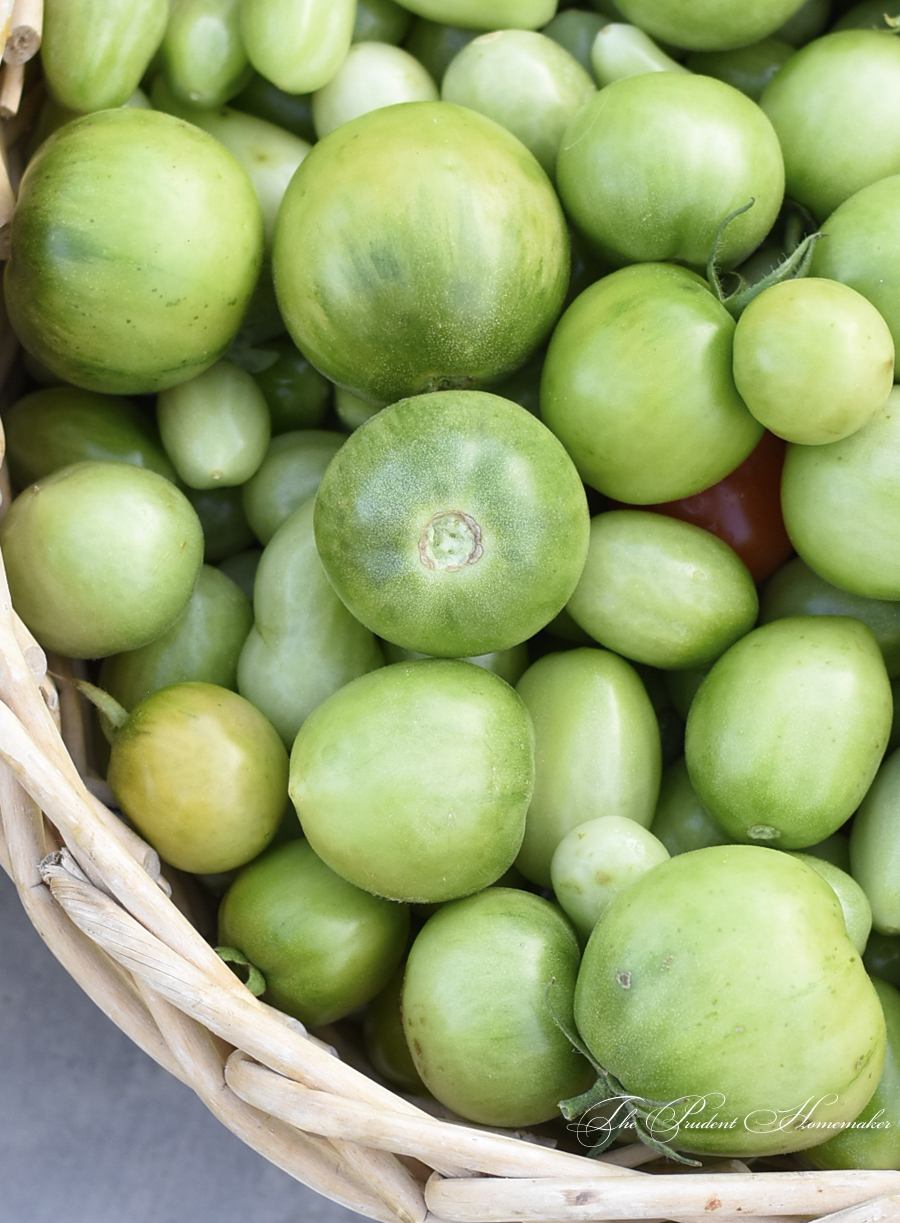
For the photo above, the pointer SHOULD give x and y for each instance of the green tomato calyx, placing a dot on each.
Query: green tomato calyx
(243, 969)
(450, 540)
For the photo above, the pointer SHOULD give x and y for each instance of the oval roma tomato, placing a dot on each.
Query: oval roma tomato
(733, 1041)
(638, 386)
(453, 524)
(419, 247)
(413, 780)
(652, 165)
(483, 979)
(744, 509)
(84, 294)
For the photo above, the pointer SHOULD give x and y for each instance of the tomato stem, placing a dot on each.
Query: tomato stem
(115, 714)
(243, 969)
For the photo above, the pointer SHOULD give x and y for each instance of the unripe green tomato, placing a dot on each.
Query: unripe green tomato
(795, 590)
(524, 81)
(575, 29)
(813, 359)
(597, 749)
(202, 775)
(203, 644)
(241, 568)
(385, 1039)
(95, 52)
(661, 591)
(57, 425)
(373, 74)
(708, 25)
(882, 957)
(595, 861)
(621, 50)
(871, 1139)
(393, 824)
(748, 69)
(297, 394)
(202, 55)
(768, 707)
(290, 111)
(680, 820)
(832, 105)
(508, 664)
(722, 988)
(288, 475)
(297, 44)
(323, 946)
(434, 44)
(304, 644)
(486, 14)
(484, 978)
(841, 505)
(81, 292)
(225, 526)
(875, 846)
(101, 557)
(381, 21)
(215, 426)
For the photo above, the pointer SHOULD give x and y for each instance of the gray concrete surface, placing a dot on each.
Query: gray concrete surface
(93, 1131)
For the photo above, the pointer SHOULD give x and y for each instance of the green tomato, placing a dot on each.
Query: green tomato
(680, 820)
(202, 55)
(298, 395)
(451, 274)
(57, 425)
(225, 527)
(748, 69)
(638, 386)
(861, 250)
(98, 197)
(708, 25)
(434, 43)
(595, 861)
(508, 664)
(652, 165)
(737, 1038)
(882, 957)
(794, 590)
(413, 780)
(374, 74)
(813, 359)
(95, 52)
(101, 557)
(841, 506)
(202, 775)
(787, 731)
(524, 81)
(484, 977)
(215, 426)
(486, 14)
(385, 1040)
(872, 1139)
(661, 591)
(833, 105)
(621, 50)
(575, 29)
(597, 749)
(304, 644)
(203, 644)
(297, 44)
(323, 946)
(452, 523)
(381, 21)
(875, 846)
(289, 474)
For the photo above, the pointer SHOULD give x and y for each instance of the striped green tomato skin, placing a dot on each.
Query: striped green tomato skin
(453, 524)
(417, 248)
(136, 243)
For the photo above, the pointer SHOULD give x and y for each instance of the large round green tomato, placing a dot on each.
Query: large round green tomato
(787, 731)
(452, 523)
(202, 775)
(136, 242)
(722, 987)
(638, 386)
(419, 247)
(483, 980)
(101, 557)
(413, 780)
(833, 105)
(708, 25)
(841, 505)
(323, 946)
(650, 167)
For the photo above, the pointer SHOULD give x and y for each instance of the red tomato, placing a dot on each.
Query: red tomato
(744, 509)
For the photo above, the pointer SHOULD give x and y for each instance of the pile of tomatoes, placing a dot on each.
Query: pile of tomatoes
(461, 442)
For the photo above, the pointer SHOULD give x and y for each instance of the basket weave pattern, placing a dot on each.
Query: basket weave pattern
(122, 926)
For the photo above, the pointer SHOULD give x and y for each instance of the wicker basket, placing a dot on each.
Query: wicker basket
(129, 932)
